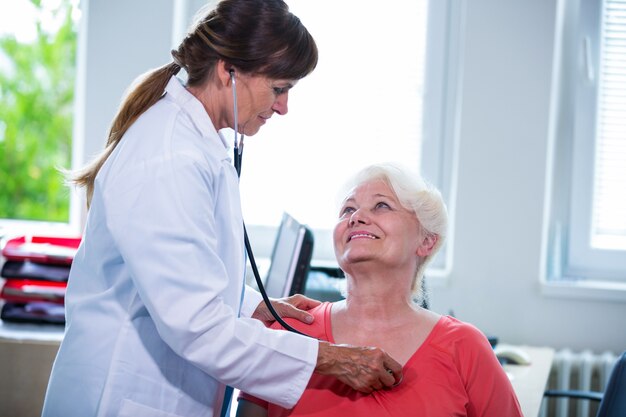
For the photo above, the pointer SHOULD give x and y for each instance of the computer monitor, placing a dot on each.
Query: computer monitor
(291, 259)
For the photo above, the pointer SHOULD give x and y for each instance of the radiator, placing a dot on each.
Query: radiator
(578, 371)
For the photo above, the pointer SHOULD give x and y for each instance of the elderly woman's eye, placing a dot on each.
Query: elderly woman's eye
(345, 211)
(382, 204)
(279, 90)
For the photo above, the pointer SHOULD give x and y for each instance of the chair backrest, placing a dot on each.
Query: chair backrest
(614, 401)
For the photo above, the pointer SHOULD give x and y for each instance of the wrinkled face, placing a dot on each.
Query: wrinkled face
(258, 98)
(374, 226)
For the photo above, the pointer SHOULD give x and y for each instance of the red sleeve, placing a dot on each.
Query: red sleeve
(489, 389)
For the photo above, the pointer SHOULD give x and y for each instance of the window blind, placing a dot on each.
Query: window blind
(609, 197)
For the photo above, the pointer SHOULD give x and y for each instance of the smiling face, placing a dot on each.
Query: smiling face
(258, 98)
(374, 226)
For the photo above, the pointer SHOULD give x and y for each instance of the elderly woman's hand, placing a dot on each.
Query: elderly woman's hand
(295, 307)
(366, 369)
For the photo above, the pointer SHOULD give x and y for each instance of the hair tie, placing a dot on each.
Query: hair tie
(175, 68)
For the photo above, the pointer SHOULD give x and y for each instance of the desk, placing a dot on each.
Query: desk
(529, 381)
(26, 355)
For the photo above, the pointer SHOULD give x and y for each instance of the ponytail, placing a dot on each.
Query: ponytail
(148, 89)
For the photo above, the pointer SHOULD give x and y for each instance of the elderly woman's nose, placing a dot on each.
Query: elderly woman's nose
(358, 216)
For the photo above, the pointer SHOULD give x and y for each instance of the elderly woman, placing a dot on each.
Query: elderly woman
(390, 226)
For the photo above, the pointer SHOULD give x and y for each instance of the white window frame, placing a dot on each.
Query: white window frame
(440, 141)
(572, 267)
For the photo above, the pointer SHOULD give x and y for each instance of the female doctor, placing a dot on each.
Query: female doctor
(158, 319)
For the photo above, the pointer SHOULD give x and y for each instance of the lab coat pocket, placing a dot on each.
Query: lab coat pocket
(132, 409)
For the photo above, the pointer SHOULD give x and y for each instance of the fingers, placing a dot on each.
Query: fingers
(295, 307)
(287, 310)
(302, 302)
(394, 369)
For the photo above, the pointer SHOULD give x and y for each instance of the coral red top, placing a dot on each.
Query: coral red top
(453, 373)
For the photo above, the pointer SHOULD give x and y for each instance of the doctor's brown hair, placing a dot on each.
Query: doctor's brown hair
(258, 37)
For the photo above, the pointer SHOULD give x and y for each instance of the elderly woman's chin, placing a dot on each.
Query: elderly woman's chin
(354, 257)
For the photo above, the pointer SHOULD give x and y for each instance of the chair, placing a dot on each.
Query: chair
(613, 401)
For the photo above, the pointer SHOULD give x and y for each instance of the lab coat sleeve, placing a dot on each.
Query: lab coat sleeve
(251, 301)
(162, 216)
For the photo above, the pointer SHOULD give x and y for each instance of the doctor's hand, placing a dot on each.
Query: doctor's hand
(366, 369)
(294, 307)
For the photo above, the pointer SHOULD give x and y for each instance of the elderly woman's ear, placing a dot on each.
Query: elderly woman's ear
(426, 246)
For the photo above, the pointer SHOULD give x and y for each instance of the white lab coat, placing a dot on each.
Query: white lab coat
(157, 284)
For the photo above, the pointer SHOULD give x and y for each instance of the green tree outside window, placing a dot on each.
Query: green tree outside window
(36, 104)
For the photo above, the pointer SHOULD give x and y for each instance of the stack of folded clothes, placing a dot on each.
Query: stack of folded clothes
(35, 271)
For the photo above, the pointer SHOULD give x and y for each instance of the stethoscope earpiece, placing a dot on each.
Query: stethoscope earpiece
(238, 146)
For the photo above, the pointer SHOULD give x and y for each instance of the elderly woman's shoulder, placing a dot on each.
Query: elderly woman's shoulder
(457, 332)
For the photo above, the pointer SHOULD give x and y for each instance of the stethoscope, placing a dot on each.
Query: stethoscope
(238, 154)
(237, 157)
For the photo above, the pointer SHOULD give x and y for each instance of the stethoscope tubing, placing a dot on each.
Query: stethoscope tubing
(237, 158)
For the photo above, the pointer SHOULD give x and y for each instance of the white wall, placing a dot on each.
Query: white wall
(494, 284)
(122, 40)
(508, 59)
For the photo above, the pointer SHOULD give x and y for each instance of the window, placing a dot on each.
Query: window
(37, 65)
(367, 101)
(588, 227)
(364, 103)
